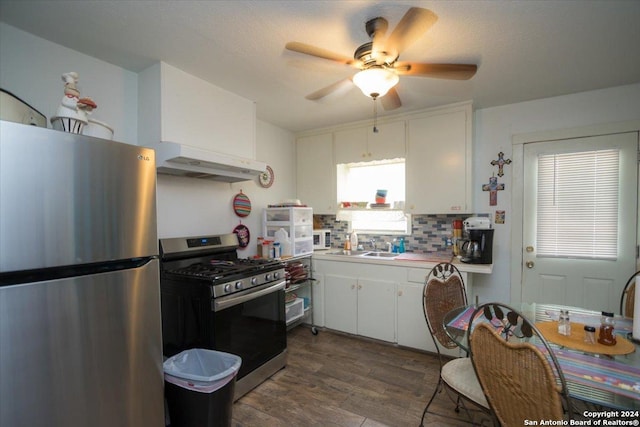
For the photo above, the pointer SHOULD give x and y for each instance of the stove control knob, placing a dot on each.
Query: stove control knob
(267, 277)
(276, 275)
(238, 285)
(227, 288)
(254, 281)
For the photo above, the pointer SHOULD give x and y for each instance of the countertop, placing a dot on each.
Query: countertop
(425, 261)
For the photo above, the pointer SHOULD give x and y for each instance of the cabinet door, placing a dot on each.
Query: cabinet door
(388, 142)
(317, 289)
(412, 327)
(316, 184)
(362, 144)
(340, 297)
(377, 309)
(350, 145)
(438, 163)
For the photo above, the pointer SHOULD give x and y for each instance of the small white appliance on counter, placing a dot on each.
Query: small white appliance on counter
(321, 239)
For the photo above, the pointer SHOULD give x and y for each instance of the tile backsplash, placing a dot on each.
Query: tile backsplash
(429, 233)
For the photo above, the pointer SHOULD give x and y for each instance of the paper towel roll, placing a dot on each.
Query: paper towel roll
(636, 311)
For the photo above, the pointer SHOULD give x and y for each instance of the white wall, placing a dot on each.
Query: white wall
(493, 132)
(30, 68)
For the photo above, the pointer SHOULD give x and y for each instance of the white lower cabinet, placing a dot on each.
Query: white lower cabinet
(377, 309)
(377, 301)
(412, 326)
(360, 306)
(341, 303)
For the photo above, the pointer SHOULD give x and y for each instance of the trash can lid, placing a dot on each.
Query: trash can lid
(199, 364)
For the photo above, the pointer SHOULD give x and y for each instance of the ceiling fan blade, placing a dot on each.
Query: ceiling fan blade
(339, 86)
(413, 24)
(319, 52)
(376, 29)
(391, 100)
(437, 71)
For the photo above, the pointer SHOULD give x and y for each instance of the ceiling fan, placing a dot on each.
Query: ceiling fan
(378, 60)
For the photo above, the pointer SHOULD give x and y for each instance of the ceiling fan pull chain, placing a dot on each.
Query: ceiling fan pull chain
(375, 115)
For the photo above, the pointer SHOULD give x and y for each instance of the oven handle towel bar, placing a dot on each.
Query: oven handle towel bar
(230, 301)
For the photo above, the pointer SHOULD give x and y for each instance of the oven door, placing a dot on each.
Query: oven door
(251, 325)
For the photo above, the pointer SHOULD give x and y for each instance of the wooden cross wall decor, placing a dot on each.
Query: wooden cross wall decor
(493, 187)
(500, 162)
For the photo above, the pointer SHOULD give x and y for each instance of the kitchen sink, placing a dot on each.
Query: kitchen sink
(347, 253)
(380, 254)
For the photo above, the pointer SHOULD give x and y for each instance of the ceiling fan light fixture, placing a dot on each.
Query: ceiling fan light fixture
(376, 81)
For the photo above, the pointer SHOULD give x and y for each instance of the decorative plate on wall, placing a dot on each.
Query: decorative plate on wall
(241, 204)
(266, 178)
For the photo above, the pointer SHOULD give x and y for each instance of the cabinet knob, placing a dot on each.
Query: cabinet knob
(399, 293)
(359, 286)
(353, 286)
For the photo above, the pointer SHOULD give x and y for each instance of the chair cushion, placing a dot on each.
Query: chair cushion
(460, 376)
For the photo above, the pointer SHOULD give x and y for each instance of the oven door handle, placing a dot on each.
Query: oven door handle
(230, 301)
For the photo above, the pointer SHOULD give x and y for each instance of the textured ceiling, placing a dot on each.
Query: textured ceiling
(524, 49)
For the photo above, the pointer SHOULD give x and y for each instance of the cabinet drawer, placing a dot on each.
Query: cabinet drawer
(417, 275)
(299, 231)
(303, 247)
(297, 215)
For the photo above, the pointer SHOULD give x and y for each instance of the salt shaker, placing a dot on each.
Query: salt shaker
(564, 325)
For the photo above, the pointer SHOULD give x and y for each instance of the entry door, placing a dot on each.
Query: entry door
(595, 281)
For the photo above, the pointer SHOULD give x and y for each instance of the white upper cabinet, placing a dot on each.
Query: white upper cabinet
(316, 174)
(438, 165)
(177, 107)
(362, 144)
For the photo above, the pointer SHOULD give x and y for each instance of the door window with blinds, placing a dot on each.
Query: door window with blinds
(577, 205)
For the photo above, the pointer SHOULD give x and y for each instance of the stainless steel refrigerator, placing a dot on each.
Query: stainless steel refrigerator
(80, 324)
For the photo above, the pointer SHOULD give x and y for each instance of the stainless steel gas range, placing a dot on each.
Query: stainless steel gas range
(212, 299)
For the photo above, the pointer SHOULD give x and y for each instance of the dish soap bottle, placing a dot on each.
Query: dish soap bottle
(354, 241)
(401, 247)
(347, 243)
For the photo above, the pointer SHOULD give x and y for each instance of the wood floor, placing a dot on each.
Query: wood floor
(333, 379)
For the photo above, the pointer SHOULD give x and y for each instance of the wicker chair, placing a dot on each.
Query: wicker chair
(516, 367)
(628, 296)
(443, 291)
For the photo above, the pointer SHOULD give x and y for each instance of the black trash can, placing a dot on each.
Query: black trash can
(199, 387)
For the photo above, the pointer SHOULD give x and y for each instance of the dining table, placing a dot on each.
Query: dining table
(600, 376)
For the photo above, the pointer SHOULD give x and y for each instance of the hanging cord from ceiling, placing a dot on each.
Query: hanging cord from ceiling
(375, 112)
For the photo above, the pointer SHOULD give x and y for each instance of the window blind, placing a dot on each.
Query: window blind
(577, 205)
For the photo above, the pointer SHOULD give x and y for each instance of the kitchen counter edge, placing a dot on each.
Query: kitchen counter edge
(463, 267)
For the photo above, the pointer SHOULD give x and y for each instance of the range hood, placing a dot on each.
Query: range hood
(194, 162)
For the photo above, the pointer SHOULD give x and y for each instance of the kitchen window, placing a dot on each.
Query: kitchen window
(359, 182)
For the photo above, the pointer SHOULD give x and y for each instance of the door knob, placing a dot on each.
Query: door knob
(530, 264)
(529, 248)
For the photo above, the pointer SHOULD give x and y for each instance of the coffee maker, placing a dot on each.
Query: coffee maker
(477, 245)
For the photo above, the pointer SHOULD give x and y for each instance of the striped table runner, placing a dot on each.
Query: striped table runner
(600, 373)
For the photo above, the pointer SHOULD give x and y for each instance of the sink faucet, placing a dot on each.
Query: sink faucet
(373, 244)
